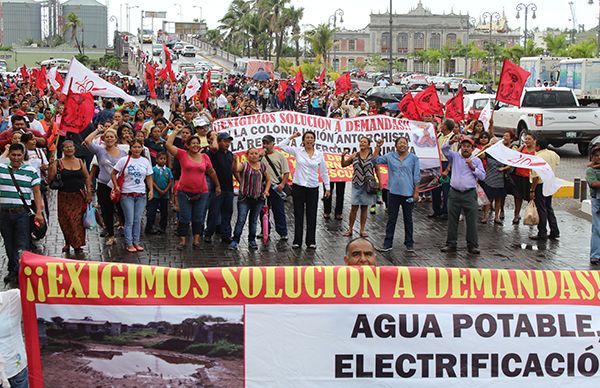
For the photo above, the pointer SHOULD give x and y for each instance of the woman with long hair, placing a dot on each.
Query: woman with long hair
(137, 173)
(521, 177)
(305, 190)
(73, 196)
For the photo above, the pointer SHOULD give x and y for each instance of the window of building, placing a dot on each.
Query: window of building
(385, 42)
(418, 67)
(351, 45)
(451, 40)
(350, 63)
(403, 43)
(435, 40)
(419, 41)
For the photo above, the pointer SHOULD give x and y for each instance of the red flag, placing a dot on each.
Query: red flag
(343, 84)
(204, 93)
(283, 85)
(321, 78)
(512, 82)
(207, 79)
(40, 80)
(167, 53)
(24, 73)
(455, 108)
(298, 80)
(11, 85)
(408, 108)
(79, 111)
(151, 80)
(51, 140)
(428, 103)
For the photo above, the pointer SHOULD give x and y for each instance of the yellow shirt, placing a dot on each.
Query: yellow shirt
(550, 157)
(443, 139)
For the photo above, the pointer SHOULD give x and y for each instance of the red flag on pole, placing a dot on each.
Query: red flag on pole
(11, 85)
(428, 103)
(321, 78)
(408, 108)
(283, 85)
(24, 73)
(298, 80)
(207, 79)
(512, 82)
(151, 80)
(455, 108)
(204, 93)
(343, 84)
(79, 111)
(167, 53)
(40, 80)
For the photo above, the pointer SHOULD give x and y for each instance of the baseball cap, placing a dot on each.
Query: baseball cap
(467, 139)
(224, 136)
(201, 121)
(268, 139)
(30, 112)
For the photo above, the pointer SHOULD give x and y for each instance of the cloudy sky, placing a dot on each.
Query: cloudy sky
(551, 13)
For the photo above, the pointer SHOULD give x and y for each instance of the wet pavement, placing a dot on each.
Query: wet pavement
(502, 246)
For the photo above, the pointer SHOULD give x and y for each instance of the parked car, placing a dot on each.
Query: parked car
(418, 84)
(553, 113)
(385, 92)
(157, 49)
(474, 104)
(468, 85)
(188, 51)
(177, 47)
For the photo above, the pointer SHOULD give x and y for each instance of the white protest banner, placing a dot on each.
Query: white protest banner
(335, 136)
(514, 158)
(126, 325)
(486, 115)
(83, 80)
(192, 87)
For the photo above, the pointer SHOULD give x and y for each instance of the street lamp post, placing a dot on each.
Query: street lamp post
(333, 20)
(598, 37)
(493, 16)
(526, 7)
(128, 8)
(391, 65)
(470, 20)
(114, 19)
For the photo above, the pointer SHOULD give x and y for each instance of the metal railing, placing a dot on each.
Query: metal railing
(212, 49)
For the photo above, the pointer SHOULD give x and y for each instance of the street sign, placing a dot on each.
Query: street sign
(155, 14)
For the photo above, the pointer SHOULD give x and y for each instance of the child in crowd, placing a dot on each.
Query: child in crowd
(163, 181)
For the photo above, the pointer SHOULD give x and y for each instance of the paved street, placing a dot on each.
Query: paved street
(504, 246)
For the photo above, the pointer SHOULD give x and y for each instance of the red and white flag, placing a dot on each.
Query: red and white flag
(83, 80)
(55, 80)
(514, 158)
(79, 111)
(192, 87)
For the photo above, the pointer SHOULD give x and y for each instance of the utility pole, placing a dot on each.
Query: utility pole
(391, 64)
(526, 7)
(492, 16)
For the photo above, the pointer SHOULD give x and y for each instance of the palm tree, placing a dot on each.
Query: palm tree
(321, 40)
(74, 23)
(294, 15)
(214, 36)
(583, 49)
(556, 45)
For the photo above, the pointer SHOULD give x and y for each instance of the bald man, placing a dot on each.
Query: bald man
(360, 251)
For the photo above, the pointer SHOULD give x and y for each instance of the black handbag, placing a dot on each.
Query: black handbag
(57, 182)
(38, 231)
(371, 185)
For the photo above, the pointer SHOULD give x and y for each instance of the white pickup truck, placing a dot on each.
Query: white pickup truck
(553, 113)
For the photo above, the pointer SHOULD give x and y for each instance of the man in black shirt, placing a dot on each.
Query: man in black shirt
(220, 207)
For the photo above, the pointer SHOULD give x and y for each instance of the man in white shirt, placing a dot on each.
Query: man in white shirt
(33, 123)
(221, 103)
(383, 82)
(13, 359)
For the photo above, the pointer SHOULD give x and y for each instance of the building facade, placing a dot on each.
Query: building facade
(22, 21)
(94, 22)
(414, 32)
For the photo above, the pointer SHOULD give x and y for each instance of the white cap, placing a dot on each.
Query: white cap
(201, 121)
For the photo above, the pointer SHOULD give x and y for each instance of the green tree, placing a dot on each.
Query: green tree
(584, 49)
(111, 61)
(377, 62)
(321, 40)
(446, 54)
(214, 36)
(73, 23)
(556, 45)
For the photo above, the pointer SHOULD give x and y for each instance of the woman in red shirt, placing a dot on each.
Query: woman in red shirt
(521, 178)
(192, 189)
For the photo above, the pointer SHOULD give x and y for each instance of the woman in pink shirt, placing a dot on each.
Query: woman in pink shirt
(192, 189)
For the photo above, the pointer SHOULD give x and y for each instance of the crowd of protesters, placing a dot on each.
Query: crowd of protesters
(159, 163)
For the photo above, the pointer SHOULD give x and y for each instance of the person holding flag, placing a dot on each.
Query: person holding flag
(543, 203)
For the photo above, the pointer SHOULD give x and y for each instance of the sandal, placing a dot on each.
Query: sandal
(364, 235)
(347, 233)
(484, 220)
(139, 248)
(110, 241)
(338, 217)
(498, 222)
(516, 220)
(66, 249)
(327, 216)
(132, 249)
(180, 246)
(196, 244)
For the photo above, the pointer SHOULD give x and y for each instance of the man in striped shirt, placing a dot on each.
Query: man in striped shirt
(14, 215)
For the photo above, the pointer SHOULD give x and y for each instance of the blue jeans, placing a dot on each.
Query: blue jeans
(248, 208)
(20, 380)
(439, 196)
(277, 205)
(156, 204)
(192, 208)
(220, 208)
(133, 209)
(15, 230)
(595, 243)
(394, 203)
